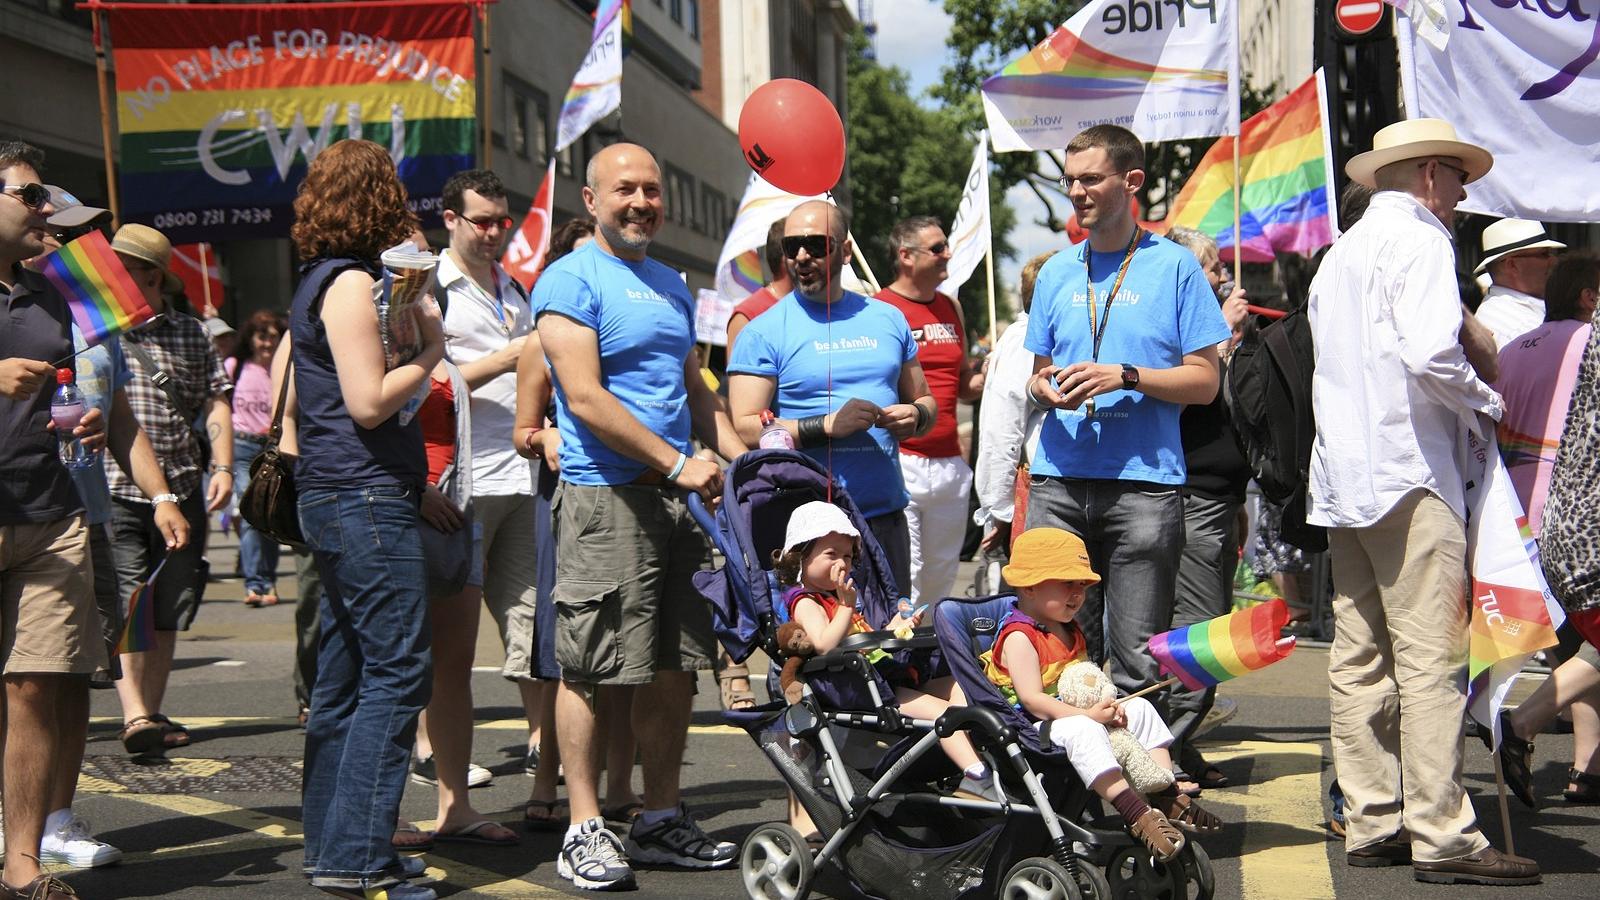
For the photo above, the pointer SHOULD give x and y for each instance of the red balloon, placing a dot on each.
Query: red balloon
(792, 136)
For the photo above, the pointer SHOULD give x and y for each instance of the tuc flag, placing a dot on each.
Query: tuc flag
(969, 233)
(1167, 71)
(1514, 614)
(739, 263)
(596, 90)
(1286, 168)
(196, 266)
(1520, 82)
(524, 255)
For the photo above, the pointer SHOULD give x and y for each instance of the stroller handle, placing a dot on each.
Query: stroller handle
(702, 516)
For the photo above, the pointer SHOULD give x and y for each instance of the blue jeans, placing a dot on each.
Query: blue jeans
(1134, 532)
(258, 554)
(373, 678)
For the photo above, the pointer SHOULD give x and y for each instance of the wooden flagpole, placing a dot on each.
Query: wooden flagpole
(988, 264)
(205, 279)
(1500, 789)
(105, 118)
(1152, 688)
(486, 74)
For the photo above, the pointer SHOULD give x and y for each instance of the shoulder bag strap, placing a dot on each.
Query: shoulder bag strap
(161, 379)
(283, 402)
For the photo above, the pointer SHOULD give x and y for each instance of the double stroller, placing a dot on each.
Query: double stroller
(874, 781)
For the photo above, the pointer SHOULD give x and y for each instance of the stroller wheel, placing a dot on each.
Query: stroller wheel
(1038, 878)
(1202, 880)
(776, 864)
(1136, 875)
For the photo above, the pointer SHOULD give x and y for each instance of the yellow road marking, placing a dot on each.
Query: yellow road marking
(1285, 790)
(203, 722)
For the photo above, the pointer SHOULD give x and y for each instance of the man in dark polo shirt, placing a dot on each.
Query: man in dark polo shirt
(49, 627)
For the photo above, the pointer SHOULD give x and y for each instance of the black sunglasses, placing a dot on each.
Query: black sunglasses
(935, 249)
(816, 245)
(32, 196)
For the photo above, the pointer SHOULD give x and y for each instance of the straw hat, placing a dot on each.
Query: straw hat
(1415, 139)
(1509, 236)
(1048, 554)
(146, 244)
(816, 519)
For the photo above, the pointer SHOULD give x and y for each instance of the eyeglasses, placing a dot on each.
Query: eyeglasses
(1462, 173)
(32, 196)
(816, 245)
(504, 222)
(1087, 182)
(935, 249)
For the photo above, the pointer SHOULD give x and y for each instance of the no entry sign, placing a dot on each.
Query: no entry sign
(1358, 17)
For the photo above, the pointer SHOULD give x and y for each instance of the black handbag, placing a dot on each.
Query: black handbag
(270, 503)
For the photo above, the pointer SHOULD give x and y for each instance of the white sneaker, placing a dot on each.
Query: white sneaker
(478, 776)
(73, 845)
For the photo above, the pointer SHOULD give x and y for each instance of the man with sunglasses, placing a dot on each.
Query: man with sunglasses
(841, 373)
(1124, 332)
(486, 321)
(1518, 255)
(50, 626)
(1393, 395)
(938, 479)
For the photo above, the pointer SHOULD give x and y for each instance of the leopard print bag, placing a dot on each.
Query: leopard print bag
(1568, 542)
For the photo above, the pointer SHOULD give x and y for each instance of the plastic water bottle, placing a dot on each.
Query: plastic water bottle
(773, 435)
(66, 411)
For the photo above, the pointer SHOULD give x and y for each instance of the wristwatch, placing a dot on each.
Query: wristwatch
(1130, 377)
(159, 499)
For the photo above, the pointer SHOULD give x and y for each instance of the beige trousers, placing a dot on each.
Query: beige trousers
(1397, 678)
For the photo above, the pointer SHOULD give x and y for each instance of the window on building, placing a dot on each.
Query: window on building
(716, 213)
(527, 120)
(694, 19)
(680, 199)
(675, 9)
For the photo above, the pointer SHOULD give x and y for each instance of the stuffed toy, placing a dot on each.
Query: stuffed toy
(1082, 684)
(796, 646)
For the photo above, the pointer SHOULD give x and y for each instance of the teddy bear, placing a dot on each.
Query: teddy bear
(1082, 684)
(796, 646)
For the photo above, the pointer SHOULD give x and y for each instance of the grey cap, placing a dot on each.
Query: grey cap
(70, 211)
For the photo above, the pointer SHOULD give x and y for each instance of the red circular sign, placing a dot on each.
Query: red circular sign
(1357, 17)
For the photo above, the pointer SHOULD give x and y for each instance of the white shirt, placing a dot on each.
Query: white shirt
(1393, 391)
(1509, 313)
(1007, 423)
(476, 325)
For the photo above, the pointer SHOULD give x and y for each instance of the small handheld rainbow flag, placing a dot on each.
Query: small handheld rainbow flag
(104, 300)
(139, 628)
(1206, 653)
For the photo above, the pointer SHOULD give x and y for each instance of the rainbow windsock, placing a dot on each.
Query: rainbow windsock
(1205, 654)
(1286, 198)
(104, 300)
(139, 625)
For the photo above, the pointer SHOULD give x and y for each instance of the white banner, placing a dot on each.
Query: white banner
(1167, 71)
(969, 234)
(711, 313)
(739, 264)
(1523, 83)
(596, 90)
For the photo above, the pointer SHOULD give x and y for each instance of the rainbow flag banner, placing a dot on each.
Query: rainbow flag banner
(596, 90)
(139, 625)
(1286, 168)
(1167, 71)
(220, 108)
(739, 263)
(605, 11)
(101, 294)
(1205, 654)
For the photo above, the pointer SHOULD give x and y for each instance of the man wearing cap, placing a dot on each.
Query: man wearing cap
(1393, 399)
(177, 381)
(52, 631)
(1518, 256)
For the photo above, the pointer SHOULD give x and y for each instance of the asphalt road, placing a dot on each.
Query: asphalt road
(223, 814)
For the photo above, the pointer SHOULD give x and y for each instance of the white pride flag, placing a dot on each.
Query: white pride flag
(1523, 83)
(1165, 70)
(969, 234)
(739, 264)
(596, 90)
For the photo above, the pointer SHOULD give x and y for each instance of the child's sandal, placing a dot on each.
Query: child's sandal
(1158, 835)
(1182, 811)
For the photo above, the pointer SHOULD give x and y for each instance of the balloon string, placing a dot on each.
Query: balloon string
(827, 286)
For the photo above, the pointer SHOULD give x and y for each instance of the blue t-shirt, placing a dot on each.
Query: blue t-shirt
(865, 345)
(644, 319)
(1165, 309)
(101, 372)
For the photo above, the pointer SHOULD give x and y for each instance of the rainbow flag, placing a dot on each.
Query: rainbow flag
(596, 90)
(220, 108)
(139, 625)
(1287, 176)
(739, 263)
(101, 294)
(605, 12)
(1205, 654)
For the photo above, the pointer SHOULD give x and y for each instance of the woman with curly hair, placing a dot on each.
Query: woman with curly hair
(250, 367)
(360, 475)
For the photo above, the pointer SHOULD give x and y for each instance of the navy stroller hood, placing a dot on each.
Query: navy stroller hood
(967, 628)
(761, 489)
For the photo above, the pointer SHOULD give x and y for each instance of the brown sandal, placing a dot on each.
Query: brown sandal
(1158, 835)
(173, 735)
(142, 735)
(736, 699)
(1182, 811)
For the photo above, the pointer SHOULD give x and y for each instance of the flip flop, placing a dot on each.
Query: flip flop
(409, 837)
(474, 834)
(173, 735)
(1208, 780)
(142, 735)
(622, 812)
(550, 821)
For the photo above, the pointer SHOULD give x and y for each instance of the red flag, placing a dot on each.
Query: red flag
(525, 253)
(204, 290)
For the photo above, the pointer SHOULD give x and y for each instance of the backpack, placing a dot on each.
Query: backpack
(1268, 395)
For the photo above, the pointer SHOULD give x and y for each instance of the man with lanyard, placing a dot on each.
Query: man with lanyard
(486, 321)
(937, 477)
(1124, 333)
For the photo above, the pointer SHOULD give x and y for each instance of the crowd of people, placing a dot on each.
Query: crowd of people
(533, 454)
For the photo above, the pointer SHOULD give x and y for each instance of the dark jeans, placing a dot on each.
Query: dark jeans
(258, 554)
(373, 678)
(893, 533)
(1134, 532)
(307, 634)
(1205, 591)
(138, 546)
